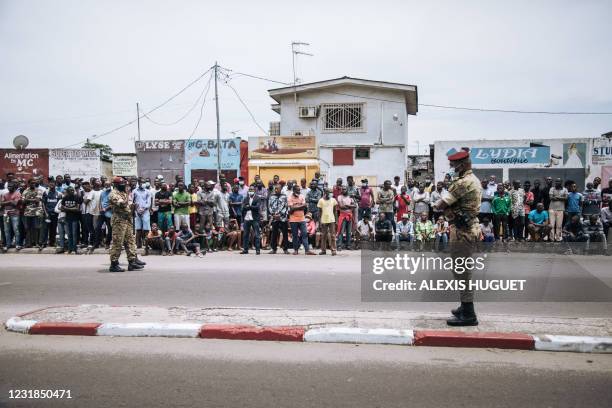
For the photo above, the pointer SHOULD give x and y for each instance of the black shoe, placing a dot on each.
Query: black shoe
(139, 262)
(467, 316)
(286, 251)
(114, 267)
(244, 252)
(272, 251)
(132, 266)
(258, 252)
(457, 311)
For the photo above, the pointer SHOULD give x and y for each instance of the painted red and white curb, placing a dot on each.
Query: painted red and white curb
(440, 338)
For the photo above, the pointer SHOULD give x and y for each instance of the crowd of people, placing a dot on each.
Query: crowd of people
(170, 217)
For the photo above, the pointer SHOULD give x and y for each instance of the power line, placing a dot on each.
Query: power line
(226, 82)
(204, 89)
(201, 108)
(515, 111)
(432, 105)
(94, 137)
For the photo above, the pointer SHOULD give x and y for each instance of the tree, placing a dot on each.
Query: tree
(105, 150)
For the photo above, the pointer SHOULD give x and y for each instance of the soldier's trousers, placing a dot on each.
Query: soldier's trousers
(463, 243)
(122, 233)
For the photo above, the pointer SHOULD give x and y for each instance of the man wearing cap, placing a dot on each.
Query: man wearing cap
(405, 229)
(121, 225)
(461, 206)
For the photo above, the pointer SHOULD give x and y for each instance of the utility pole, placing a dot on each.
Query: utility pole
(218, 129)
(294, 53)
(138, 119)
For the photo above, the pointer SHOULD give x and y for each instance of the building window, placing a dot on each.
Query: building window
(362, 153)
(274, 128)
(343, 157)
(343, 117)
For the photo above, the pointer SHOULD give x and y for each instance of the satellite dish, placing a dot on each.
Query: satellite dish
(20, 142)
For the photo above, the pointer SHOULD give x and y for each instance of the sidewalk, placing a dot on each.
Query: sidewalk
(384, 327)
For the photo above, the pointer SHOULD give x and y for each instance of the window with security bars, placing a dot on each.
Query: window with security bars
(274, 128)
(343, 116)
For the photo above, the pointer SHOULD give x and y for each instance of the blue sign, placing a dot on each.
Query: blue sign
(202, 154)
(510, 155)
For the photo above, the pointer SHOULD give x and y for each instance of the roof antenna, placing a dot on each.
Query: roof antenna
(295, 45)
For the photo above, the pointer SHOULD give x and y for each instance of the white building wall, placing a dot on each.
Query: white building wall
(441, 164)
(384, 162)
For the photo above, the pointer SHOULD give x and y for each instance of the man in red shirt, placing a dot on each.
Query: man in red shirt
(366, 200)
(403, 203)
(346, 206)
(297, 220)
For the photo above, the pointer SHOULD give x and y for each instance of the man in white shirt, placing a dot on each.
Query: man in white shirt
(304, 190)
(91, 212)
(492, 186)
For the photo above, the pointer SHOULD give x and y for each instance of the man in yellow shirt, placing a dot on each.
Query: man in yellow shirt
(327, 205)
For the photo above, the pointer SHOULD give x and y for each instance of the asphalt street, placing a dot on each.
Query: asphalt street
(154, 372)
(231, 280)
(134, 372)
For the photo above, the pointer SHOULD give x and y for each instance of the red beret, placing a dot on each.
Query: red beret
(460, 155)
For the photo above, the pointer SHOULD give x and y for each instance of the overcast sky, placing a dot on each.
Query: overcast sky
(72, 69)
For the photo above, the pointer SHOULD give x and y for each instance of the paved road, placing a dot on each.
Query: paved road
(141, 372)
(230, 280)
(133, 372)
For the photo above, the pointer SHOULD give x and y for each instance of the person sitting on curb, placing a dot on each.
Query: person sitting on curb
(234, 237)
(384, 228)
(538, 223)
(365, 229)
(441, 230)
(594, 229)
(405, 229)
(185, 241)
(154, 240)
(424, 231)
(170, 240)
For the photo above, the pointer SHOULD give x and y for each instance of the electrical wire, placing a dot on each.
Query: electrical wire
(226, 82)
(234, 74)
(98, 136)
(204, 89)
(201, 109)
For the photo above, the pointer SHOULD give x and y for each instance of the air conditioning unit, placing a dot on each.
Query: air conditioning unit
(308, 111)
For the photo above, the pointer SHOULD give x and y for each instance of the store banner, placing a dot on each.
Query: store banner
(510, 155)
(201, 154)
(159, 145)
(283, 147)
(79, 163)
(602, 151)
(125, 165)
(25, 163)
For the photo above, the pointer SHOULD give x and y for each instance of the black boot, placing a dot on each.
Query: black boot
(457, 311)
(114, 267)
(467, 316)
(132, 266)
(139, 262)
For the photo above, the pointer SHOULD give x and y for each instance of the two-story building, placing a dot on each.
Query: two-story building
(360, 125)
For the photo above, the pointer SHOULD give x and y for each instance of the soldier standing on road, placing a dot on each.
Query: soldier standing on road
(461, 206)
(121, 225)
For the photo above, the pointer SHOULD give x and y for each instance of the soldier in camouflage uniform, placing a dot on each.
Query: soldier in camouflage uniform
(461, 206)
(121, 225)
